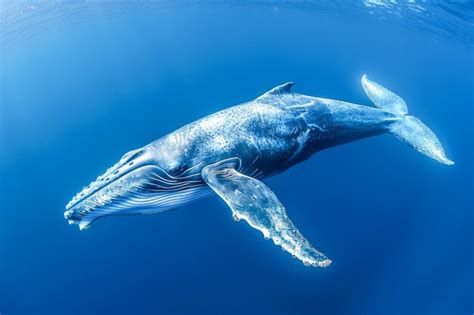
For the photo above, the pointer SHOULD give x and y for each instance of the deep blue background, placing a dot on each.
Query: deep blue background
(75, 97)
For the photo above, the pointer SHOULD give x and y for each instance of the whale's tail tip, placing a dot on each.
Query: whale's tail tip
(415, 133)
(409, 129)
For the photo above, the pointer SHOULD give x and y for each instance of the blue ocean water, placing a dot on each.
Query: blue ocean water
(83, 82)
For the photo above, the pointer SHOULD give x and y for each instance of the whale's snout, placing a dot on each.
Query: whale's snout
(111, 192)
(137, 184)
(127, 163)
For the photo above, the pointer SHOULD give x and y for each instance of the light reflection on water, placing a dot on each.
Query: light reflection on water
(453, 19)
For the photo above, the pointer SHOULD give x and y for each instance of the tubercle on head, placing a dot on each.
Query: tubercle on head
(129, 162)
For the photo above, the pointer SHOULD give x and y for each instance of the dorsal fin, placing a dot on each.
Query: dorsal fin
(278, 94)
(279, 90)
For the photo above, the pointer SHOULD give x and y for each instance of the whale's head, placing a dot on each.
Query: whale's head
(137, 184)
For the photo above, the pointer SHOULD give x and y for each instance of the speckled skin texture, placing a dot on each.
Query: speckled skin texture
(268, 135)
(232, 150)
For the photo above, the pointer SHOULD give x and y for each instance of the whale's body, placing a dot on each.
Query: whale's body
(231, 151)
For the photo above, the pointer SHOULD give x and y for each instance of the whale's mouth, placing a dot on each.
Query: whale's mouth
(110, 198)
(135, 185)
(128, 163)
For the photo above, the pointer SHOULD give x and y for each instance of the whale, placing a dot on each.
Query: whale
(231, 152)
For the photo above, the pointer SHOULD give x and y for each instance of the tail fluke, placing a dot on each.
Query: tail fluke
(409, 129)
(415, 133)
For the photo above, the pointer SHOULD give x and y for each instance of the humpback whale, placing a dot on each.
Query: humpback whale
(230, 152)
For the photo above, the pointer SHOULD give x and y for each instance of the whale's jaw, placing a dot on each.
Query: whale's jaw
(135, 185)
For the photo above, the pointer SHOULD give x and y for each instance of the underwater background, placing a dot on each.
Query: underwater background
(83, 82)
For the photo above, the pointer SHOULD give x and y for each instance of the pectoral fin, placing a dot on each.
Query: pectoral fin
(254, 202)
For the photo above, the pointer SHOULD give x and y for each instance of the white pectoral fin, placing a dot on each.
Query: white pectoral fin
(254, 202)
